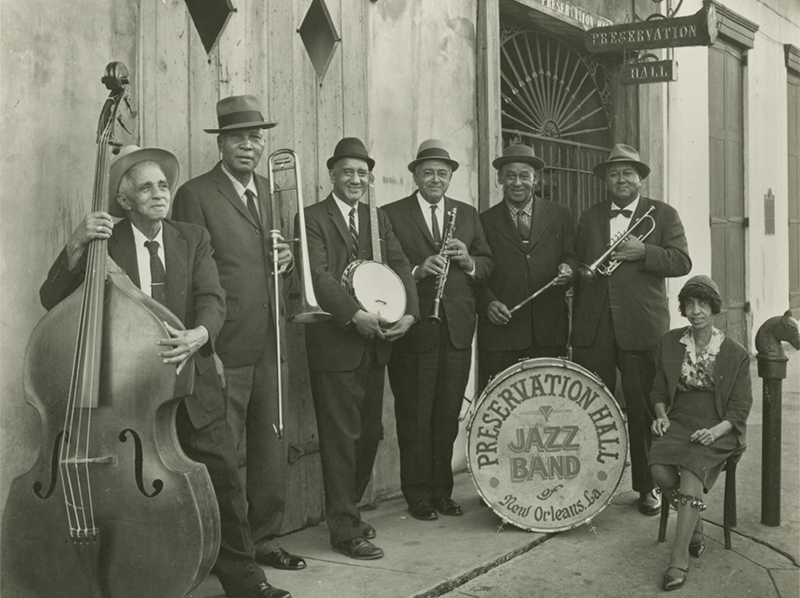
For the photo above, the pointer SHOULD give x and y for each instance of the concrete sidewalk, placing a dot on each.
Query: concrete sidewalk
(617, 555)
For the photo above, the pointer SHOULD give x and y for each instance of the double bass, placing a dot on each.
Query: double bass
(112, 508)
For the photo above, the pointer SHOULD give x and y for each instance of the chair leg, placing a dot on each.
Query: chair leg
(729, 506)
(662, 525)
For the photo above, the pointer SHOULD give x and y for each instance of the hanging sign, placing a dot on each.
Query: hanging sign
(648, 71)
(699, 29)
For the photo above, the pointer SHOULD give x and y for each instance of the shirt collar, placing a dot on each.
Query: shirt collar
(527, 209)
(425, 205)
(345, 208)
(631, 206)
(712, 348)
(240, 189)
(139, 238)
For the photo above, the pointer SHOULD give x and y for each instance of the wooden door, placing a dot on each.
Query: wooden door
(794, 191)
(727, 213)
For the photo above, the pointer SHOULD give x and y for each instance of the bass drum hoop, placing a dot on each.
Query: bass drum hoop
(392, 292)
(622, 448)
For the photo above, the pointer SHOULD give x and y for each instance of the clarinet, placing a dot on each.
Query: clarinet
(442, 278)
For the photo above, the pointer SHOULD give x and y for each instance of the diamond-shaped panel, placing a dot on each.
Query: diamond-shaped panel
(319, 36)
(210, 18)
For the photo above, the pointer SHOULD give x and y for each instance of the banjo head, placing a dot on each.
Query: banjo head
(377, 288)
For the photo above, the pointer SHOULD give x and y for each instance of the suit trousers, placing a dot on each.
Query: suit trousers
(493, 362)
(638, 369)
(212, 446)
(252, 410)
(349, 408)
(428, 389)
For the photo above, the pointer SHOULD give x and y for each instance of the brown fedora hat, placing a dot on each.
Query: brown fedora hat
(350, 147)
(622, 153)
(518, 153)
(128, 157)
(432, 149)
(239, 112)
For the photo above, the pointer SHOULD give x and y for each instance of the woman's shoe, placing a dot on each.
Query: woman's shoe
(674, 583)
(697, 548)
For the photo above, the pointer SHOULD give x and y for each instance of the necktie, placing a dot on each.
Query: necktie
(437, 235)
(523, 228)
(158, 276)
(614, 213)
(251, 206)
(353, 234)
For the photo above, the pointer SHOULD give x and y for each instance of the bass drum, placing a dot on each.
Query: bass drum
(377, 288)
(547, 445)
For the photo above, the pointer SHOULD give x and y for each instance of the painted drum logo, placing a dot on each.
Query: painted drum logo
(547, 445)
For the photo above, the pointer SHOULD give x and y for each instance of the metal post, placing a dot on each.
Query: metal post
(772, 371)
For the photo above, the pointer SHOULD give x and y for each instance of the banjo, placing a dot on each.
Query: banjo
(373, 284)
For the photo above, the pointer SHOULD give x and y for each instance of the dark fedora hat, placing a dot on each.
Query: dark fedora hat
(622, 153)
(350, 147)
(239, 112)
(432, 149)
(128, 157)
(518, 153)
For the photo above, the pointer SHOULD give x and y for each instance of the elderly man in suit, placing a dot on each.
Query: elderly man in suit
(172, 262)
(347, 354)
(430, 365)
(532, 241)
(619, 319)
(232, 203)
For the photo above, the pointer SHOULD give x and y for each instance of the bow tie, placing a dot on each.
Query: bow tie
(614, 213)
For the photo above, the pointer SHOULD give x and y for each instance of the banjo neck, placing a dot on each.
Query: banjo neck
(373, 225)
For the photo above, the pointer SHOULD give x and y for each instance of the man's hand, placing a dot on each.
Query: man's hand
(399, 328)
(96, 225)
(369, 325)
(631, 250)
(458, 252)
(432, 266)
(498, 313)
(564, 274)
(704, 436)
(285, 256)
(184, 344)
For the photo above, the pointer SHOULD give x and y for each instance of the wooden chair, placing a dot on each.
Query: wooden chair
(728, 508)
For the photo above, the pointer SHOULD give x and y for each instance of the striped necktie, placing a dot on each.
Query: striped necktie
(437, 234)
(158, 276)
(353, 234)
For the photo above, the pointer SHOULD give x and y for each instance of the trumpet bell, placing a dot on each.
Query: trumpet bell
(587, 273)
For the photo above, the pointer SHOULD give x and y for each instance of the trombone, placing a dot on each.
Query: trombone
(309, 312)
(590, 272)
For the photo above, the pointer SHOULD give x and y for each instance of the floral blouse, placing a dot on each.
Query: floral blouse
(697, 369)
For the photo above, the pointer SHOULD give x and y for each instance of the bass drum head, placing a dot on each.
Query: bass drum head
(378, 289)
(547, 445)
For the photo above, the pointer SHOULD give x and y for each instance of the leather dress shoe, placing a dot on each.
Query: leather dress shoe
(649, 503)
(280, 559)
(262, 590)
(422, 510)
(674, 583)
(358, 548)
(447, 506)
(368, 531)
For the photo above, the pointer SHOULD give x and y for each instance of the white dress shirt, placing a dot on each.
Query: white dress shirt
(619, 224)
(240, 189)
(143, 257)
(345, 210)
(425, 206)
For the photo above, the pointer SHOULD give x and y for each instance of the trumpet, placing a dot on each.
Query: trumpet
(280, 162)
(591, 272)
(442, 279)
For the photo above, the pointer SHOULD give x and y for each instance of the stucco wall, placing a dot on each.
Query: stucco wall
(51, 63)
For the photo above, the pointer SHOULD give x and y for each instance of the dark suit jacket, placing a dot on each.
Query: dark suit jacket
(520, 271)
(636, 290)
(335, 345)
(458, 300)
(195, 297)
(732, 388)
(242, 256)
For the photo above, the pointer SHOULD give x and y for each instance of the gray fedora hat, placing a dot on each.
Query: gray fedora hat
(350, 147)
(128, 157)
(519, 153)
(239, 112)
(432, 149)
(622, 153)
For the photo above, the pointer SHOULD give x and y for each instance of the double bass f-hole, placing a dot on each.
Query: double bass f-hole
(37, 487)
(158, 485)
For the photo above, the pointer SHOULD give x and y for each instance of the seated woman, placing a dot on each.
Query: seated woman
(702, 397)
